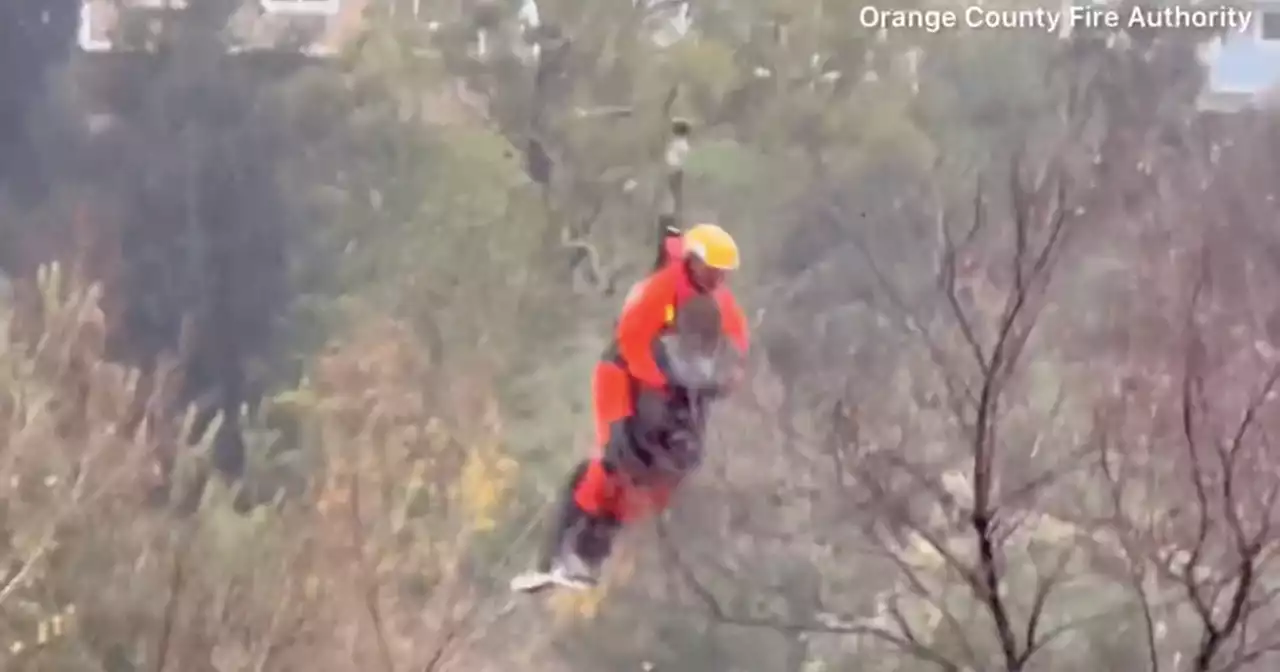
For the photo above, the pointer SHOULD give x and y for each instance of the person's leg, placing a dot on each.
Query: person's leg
(596, 499)
(585, 521)
(611, 401)
(599, 503)
(594, 542)
(589, 512)
(568, 514)
(650, 499)
(597, 493)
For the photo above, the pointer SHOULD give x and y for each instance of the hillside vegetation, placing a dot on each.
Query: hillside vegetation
(295, 353)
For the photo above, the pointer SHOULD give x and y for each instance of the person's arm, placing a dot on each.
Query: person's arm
(643, 318)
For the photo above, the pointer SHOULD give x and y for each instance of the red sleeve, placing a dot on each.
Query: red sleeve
(673, 247)
(733, 321)
(642, 321)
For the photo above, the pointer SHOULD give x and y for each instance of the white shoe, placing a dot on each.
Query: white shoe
(530, 582)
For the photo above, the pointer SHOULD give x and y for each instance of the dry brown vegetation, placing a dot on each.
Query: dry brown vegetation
(310, 346)
(371, 564)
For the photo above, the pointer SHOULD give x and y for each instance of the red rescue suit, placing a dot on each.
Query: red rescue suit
(634, 365)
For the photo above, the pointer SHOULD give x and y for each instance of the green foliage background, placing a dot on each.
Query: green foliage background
(348, 282)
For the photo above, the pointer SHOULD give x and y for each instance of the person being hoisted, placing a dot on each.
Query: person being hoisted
(649, 394)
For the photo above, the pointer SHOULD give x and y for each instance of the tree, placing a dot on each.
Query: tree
(37, 35)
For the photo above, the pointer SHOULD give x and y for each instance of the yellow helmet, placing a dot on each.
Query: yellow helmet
(713, 245)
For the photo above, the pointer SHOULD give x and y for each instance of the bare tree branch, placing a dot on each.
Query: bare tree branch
(832, 626)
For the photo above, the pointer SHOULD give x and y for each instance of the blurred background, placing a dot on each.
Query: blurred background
(301, 300)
